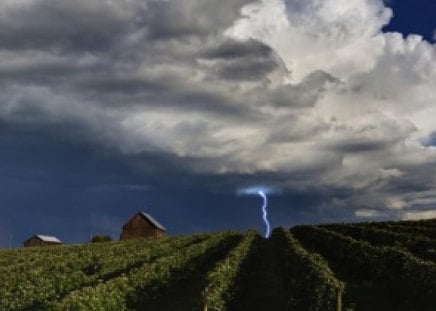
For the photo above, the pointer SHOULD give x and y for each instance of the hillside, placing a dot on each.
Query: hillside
(362, 266)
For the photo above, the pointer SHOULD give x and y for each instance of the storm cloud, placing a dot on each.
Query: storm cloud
(306, 95)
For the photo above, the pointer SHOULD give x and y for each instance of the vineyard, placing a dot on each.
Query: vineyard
(360, 266)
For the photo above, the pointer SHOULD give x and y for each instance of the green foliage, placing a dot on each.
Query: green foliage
(310, 282)
(47, 276)
(418, 245)
(126, 275)
(418, 228)
(222, 280)
(398, 273)
(427, 231)
(101, 238)
(125, 291)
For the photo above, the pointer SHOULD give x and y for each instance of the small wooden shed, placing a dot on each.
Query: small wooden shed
(142, 225)
(42, 240)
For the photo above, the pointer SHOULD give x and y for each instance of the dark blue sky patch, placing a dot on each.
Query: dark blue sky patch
(126, 112)
(431, 141)
(72, 191)
(413, 17)
(48, 186)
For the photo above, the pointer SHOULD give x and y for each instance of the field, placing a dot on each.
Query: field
(361, 266)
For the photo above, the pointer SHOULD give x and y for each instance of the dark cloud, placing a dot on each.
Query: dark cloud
(43, 70)
(65, 26)
(173, 19)
(295, 129)
(97, 26)
(362, 146)
(306, 93)
(232, 49)
(246, 70)
(241, 60)
(199, 98)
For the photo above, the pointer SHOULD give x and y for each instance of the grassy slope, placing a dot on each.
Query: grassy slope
(261, 286)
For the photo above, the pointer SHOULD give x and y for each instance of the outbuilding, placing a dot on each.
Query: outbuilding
(142, 225)
(42, 240)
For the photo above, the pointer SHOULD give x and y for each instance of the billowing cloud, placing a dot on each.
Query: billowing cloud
(310, 96)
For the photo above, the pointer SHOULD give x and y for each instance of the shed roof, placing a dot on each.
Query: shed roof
(152, 220)
(48, 238)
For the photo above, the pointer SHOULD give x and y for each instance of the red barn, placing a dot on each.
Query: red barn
(42, 240)
(142, 225)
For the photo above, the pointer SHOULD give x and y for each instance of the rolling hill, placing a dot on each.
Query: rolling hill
(360, 266)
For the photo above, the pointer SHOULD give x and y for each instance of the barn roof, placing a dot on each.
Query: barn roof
(152, 220)
(47, 238)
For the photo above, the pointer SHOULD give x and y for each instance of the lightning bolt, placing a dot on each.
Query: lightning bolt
(265, 213)
(261, 191)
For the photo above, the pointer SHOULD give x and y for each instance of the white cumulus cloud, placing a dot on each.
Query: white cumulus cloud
(310, 93)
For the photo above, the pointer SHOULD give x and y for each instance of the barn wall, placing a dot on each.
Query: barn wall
(33, 242)
(160, 232)
(138, 227)
(37, 242)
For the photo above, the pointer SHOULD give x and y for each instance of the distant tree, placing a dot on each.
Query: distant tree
(101, 238)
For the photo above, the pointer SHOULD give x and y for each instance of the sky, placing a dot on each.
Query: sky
(172, 107)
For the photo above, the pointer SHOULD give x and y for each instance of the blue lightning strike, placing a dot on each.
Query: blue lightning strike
(265, 213)
(262, 192)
